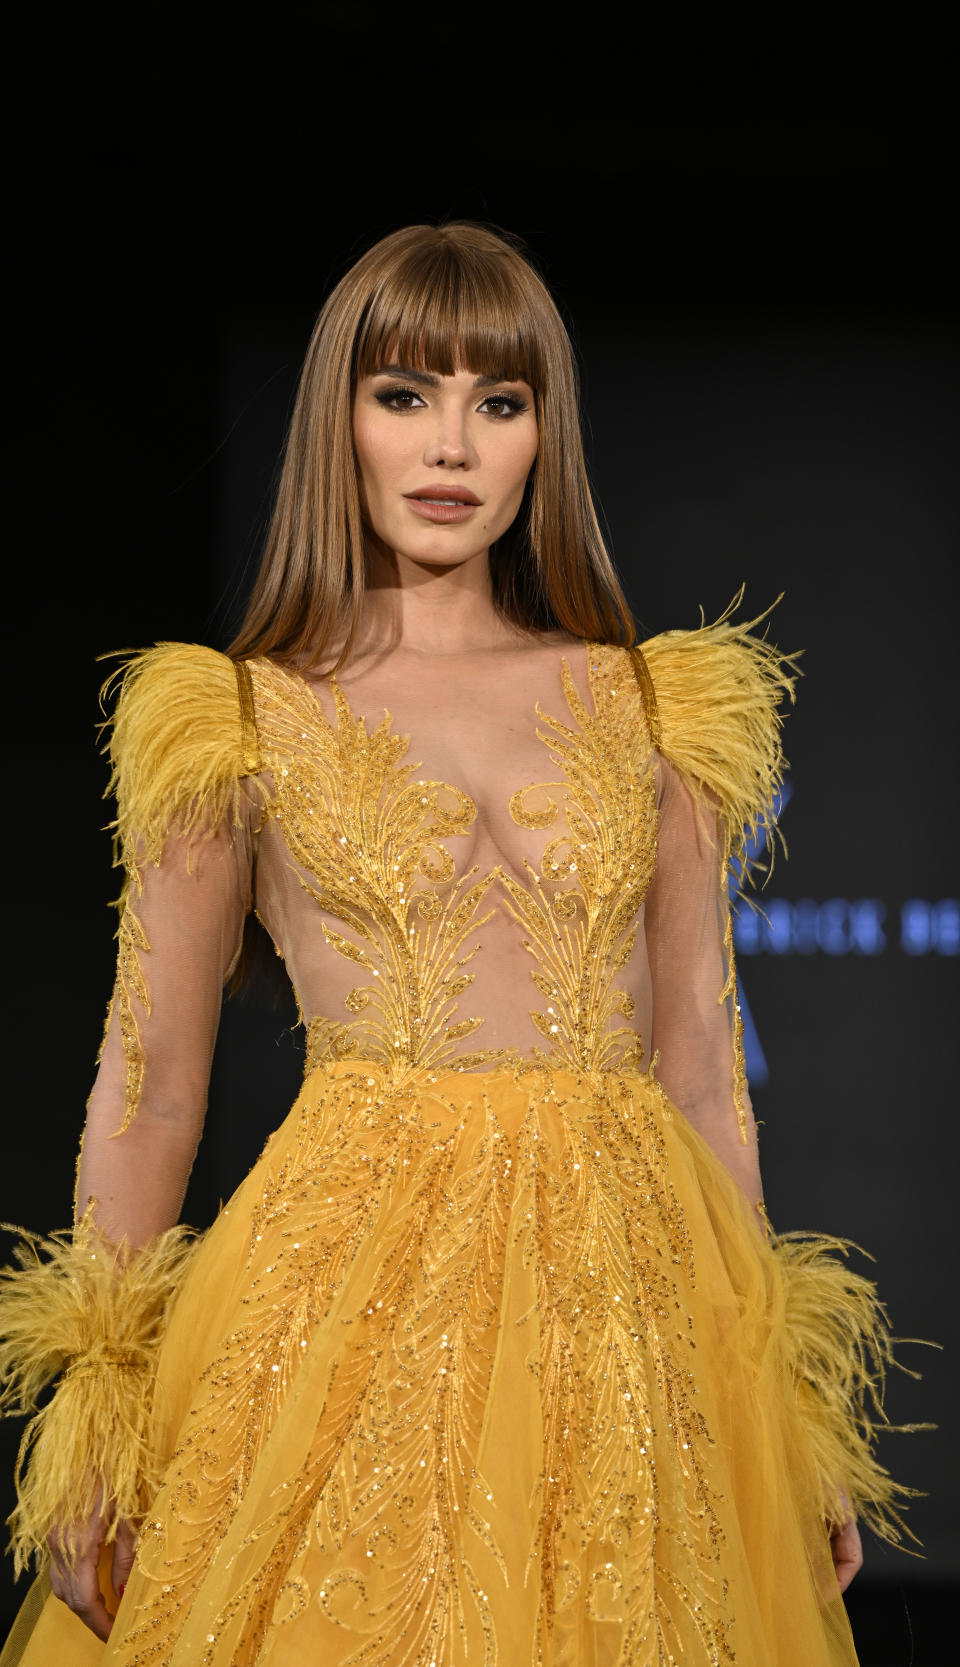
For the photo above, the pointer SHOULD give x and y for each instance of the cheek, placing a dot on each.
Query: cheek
(375, 443)
(517, 462)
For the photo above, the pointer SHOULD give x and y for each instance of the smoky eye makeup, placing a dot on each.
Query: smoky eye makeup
(399, 397)
(512, 403)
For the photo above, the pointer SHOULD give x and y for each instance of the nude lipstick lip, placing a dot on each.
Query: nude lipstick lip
(443, 503)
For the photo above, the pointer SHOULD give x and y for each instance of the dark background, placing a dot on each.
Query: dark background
(747, 221)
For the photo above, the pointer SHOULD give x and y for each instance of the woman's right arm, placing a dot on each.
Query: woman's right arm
(188, 924)
(185, 930)
(93, 1306)
(183, 740)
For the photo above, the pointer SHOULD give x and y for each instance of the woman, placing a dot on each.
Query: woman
(492, 1357)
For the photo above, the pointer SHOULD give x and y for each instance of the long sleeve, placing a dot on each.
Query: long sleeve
(714, 696)
(713, 701)
(180, 749)
(93, 1305)
(179, 936)
(696, 1026)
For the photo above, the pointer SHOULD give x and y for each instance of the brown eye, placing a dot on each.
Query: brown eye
(399, 399)
(507, 405)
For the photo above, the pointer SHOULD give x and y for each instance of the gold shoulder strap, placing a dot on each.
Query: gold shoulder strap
(249, 740)
(642, 673)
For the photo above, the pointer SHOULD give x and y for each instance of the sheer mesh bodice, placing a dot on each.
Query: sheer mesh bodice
(542, 882)
(423, 925)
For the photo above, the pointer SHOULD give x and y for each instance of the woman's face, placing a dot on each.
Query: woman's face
(443, 460)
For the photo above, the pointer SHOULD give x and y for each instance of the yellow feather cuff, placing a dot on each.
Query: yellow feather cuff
(839, 1351)
(718, 693)
(71, 1305)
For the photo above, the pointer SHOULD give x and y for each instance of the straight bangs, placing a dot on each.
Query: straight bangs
(446, 307)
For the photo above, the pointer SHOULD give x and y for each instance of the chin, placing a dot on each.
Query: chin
(441, 553)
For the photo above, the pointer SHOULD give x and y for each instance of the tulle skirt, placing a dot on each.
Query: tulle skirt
(489, 1370)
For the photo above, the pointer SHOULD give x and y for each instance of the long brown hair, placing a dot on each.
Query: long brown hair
(434, 297)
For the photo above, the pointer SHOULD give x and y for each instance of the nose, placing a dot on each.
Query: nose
(450, 444)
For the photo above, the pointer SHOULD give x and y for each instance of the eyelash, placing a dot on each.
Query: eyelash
(513, 402)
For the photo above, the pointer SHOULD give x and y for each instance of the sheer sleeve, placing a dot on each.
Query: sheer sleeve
(91, 1306)
(696, 1033)
(182, 743)
(713, 698)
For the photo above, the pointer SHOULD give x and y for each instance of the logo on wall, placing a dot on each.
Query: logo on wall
(838, 926)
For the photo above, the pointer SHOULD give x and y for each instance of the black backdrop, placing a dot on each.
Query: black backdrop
(747, 224)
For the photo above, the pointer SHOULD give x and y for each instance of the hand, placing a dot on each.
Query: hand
(76, 1582)
(847, 1552)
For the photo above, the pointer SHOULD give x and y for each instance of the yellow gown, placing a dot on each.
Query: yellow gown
(489, 1362)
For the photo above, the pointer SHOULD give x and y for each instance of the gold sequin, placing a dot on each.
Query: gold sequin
(405, 1245)
(433, 1215)
(130, 986)
(334, 783)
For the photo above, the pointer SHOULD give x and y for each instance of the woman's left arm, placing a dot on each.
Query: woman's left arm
(696, 1021)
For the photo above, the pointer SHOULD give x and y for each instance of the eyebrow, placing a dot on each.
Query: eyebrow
(429, 381)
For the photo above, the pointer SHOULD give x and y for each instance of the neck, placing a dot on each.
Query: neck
(428, 609)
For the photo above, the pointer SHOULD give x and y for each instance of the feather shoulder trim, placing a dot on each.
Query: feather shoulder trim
(183, 734)
(718, 692)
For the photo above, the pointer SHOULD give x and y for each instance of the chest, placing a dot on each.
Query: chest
(548, 782)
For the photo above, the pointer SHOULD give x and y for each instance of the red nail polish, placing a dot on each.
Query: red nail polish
(121, 1590)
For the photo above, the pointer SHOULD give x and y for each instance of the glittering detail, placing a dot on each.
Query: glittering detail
(409, 916)
(718, 693)
(578, 910)
(130, 986)
(730, 993)
(459, 1375)
(184, 733)
(376, 1290)
(369, 841)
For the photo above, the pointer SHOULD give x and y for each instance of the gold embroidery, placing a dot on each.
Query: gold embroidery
(730, 990)
(376, 1278)
(730, 993)
(428, 1260)
(368, 838)
(130, 986)
(184, 733)
(406, 914)
(582, 935)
